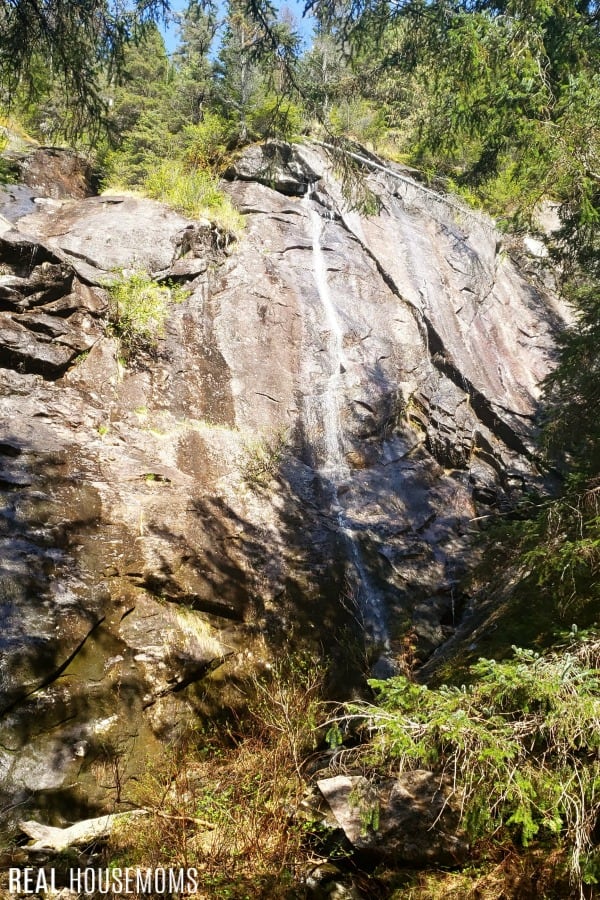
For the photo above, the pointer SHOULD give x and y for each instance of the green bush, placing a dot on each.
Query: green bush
(276, 117)
(189, 191)
(206, 144)
(138, 310)
(7, 172)
(358, 119)
(193, 192)
(521, 745)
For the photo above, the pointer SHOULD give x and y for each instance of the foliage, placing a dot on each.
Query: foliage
(263, 458)
(73, 43)
(154, 152)
(223, 800)
(552, 548)
(519, 745)
(564, 550)
(5, 168)
(572, 433)
(253, 74)
(139, 129)
(138, 310)
(275, 116)
(359, 119)
(207, 143)
(198, 27)
(188, 191)
(193, 192)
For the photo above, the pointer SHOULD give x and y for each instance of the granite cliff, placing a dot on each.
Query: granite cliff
(301, 460)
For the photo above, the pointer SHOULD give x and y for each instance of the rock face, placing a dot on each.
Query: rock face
(52, 172)
(304, 451)
(276, 165)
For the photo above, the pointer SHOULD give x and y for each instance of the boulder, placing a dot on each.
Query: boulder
(433, 622)
(277, 166)
(412, 820)
(56, 173)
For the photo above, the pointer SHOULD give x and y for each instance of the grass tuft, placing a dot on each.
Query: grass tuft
(138, 310)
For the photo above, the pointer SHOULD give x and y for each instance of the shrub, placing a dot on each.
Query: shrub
(263, 458)
(223, 801)
(276, 117)
(193, 192)
(520, 745)
(206, 144)
(7, 171)
(138, 310)
(359, 119)
(190, 191)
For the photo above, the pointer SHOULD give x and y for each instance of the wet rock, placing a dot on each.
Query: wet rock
(384, 668)
(174, 646)
(411, 820)
(16, 201)
(485, 481)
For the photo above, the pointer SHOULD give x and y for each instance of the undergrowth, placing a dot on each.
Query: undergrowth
(518, 751)
(224, 802)
(519, 746)
(6, 169)
(195, 192)
(263, 458)
(550, 550)
(184, 175)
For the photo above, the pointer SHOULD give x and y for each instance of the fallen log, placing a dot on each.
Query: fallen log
(48, 837)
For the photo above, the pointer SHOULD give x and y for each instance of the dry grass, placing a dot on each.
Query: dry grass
(225, 802)
(508, 875)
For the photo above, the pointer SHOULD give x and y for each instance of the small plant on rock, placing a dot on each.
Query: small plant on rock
(262, 458)
(138, 310)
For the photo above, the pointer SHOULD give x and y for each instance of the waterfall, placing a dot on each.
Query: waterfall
(333, 466)
(334, 462)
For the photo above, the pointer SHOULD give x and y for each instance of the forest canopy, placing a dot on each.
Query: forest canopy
(75, 43)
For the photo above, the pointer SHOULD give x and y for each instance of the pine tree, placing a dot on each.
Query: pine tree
(198, 26)
(141, 122)
(75, 43)
(238, 81)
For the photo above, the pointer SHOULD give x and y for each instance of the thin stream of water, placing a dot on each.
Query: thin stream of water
(334, 466)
